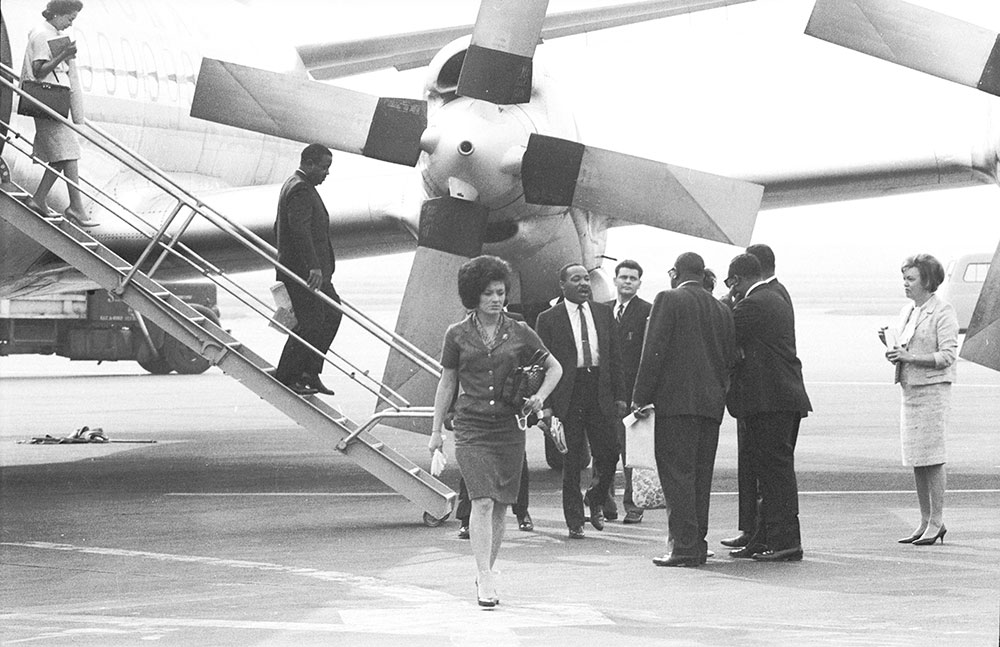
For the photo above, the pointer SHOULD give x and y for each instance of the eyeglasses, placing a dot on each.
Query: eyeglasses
(522, 417)
(672, 272)
(731, 281)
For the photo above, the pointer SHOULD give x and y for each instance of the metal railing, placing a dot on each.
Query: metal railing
(169, 245)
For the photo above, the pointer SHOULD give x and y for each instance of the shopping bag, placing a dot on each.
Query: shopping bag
(646, 489)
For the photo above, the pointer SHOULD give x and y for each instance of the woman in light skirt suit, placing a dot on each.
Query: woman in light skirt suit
(925, 369)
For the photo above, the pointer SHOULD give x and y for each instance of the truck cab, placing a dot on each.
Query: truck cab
(963, 282)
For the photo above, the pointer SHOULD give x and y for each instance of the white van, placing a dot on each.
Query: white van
(964, 279)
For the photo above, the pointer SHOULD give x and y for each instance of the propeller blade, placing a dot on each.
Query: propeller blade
(451, 232)
(296, 108)
(497, 66)
(982, 339)
(560, 172)
(913, 37)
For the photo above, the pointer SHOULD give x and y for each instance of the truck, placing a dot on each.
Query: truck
(95, 326)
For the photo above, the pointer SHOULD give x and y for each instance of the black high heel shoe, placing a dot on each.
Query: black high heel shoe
(929, 541)
(912, 538)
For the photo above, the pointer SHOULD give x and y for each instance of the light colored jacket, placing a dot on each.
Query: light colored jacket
(936, 332)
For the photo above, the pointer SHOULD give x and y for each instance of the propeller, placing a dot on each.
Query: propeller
(914, 37)
(299, 109)
(982, 339)
(497, 66)
(451, 232)
(560, 172)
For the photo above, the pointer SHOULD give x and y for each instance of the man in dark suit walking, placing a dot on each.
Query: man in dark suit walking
(769, 397)
(630, 313)
(302, 229)
(580, 335)
(686, 361)
(749, 493)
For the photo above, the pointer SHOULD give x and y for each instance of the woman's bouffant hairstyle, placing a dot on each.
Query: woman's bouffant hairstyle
(61, 8)
(930, 269)
(475, 275)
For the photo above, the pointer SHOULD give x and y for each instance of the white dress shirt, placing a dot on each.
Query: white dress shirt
(574, 320)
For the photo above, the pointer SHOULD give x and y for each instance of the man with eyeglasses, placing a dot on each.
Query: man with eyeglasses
(591, 394)
(768, 397)
(687, 357)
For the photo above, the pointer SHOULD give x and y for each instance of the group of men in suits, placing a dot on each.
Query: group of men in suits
(688, 356)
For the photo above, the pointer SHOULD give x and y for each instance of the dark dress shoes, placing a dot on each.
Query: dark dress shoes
(597, 517)
(524, 523)
(676, 560)
(747, 551)
(739, 541)
(633, 516)
(784, 555)
(301, 388)
(314, 382)
(576, 533)
(463, 531)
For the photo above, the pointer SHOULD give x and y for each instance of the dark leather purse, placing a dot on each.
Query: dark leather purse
(524, 381)
(53, 95)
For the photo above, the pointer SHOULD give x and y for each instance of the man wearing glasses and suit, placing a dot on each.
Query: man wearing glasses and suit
(591, 394)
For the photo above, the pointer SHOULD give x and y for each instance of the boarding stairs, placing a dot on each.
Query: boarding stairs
(134, 283)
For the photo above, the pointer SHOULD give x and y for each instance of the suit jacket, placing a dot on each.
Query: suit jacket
(554, 327)
(631, 331)
(302, 229)
(688, 354)
(936, 332)
(769, 377)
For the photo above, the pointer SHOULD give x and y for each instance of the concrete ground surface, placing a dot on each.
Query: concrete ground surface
(237, 528)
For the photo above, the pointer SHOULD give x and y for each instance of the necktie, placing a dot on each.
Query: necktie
(588, 359)
(621, 311)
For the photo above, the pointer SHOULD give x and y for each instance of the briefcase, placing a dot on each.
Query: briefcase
(53, 95)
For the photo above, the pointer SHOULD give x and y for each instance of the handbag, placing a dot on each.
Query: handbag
(640, 440)
(53, 95)
(524, 381)
(646, 489)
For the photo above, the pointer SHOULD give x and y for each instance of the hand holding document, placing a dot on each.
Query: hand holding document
(640, 437)
(438, 462)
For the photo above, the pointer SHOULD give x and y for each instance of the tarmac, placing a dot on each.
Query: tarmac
(235, 527)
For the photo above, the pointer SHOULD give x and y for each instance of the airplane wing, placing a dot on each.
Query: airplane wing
(416, 49)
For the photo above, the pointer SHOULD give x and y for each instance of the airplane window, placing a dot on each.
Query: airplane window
(108, 63)
(84, 60)
(170, 74)
(131, 72)
(976, 272)
(151, 74)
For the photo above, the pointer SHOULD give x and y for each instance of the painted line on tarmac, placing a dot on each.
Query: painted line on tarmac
(371, 584)
(957, 385)
(450, 619)
(342, 495)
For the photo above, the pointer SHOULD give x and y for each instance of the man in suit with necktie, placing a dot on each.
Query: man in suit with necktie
(302, 229)
(631, 313)
(591, 394)
(687, 358)
(749, 493)
(769, 397)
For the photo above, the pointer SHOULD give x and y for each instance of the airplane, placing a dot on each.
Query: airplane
(146, 72)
